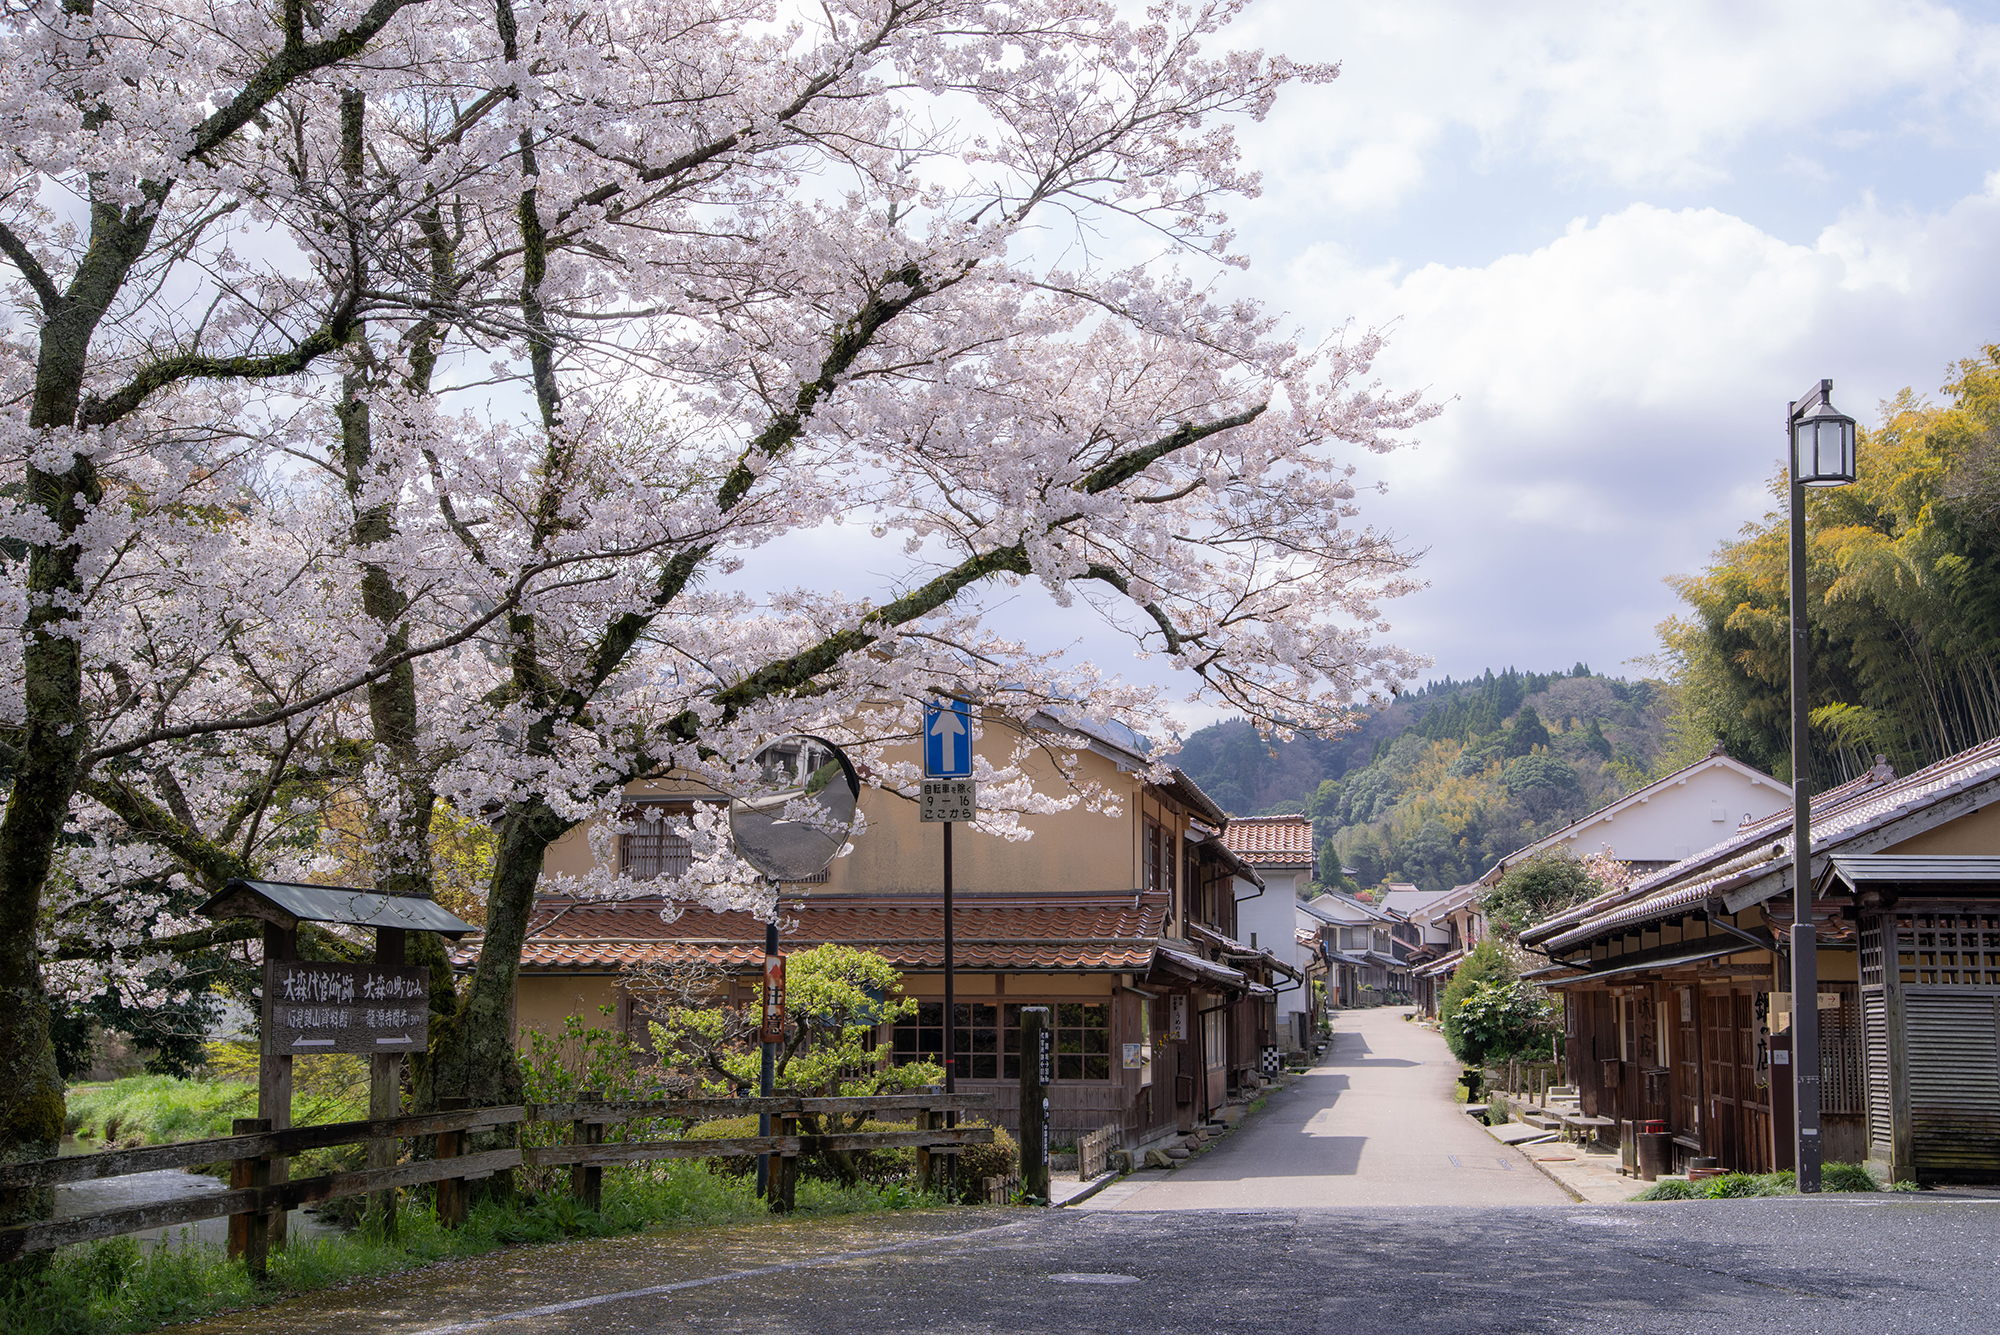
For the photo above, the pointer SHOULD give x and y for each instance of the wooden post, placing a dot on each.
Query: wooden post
(1034, 1103)
(451, 1190)
(785, 1190)
(385, 1096)
(926, 1165)
(274, 1076)
(586, 1181)
(250, 1233)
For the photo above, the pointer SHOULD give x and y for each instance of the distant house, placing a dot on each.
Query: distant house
(1361, 941)
(1669, 819)
(1452, 923)
(1280, 850)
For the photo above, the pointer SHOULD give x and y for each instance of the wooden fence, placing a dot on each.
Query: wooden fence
(1093, 1152)
(252, 1199)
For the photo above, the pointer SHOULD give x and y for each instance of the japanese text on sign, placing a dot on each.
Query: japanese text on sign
(948, 800)
(772, 1030)
(312, 1006)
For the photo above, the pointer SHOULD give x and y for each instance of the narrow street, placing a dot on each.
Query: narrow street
(1373, 1123)
(1359, 1198)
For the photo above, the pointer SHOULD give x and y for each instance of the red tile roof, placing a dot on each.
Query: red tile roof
(1271, 841)
(1008, 932)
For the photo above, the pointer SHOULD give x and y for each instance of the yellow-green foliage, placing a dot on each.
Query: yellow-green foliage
(1903, 595)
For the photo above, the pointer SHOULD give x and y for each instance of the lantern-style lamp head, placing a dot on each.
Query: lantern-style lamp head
(1822, 440)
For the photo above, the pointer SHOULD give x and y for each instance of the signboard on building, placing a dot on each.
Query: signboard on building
(1177, 1016)
(314, 1006)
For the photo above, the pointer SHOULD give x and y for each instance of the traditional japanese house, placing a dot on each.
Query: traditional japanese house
(1125, 926)
(1677, 1008)
(1280, 849)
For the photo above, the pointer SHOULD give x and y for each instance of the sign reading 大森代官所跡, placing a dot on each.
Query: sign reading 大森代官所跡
(313, 1006)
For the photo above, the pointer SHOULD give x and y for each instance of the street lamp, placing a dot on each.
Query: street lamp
(1820, 440)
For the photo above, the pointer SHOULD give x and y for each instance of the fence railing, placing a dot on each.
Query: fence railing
(1093, 1152)
(252, 1199)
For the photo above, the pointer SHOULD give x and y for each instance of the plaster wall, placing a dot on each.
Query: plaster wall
(897, 853)
(1694, 812)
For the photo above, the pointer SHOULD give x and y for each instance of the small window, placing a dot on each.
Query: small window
(653, 849)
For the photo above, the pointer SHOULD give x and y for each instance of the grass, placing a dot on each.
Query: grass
(1731, 1186)
(163, 1109)
(119, 1285)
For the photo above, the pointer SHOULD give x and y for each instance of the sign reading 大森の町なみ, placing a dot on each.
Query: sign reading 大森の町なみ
(312, 1006)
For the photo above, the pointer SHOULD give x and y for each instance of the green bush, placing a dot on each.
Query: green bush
(1002, 1158)
(1498, 1020)
(1672, 1189)
(1847, 1177)
(1484, 963)
(727, 1128)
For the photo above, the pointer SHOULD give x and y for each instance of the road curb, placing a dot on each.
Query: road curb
(1100, 1184)
(1543, 1169)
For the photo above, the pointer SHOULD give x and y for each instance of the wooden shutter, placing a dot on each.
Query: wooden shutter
(1954, 1058)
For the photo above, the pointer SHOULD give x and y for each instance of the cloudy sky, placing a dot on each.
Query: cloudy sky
(1618, 238)
(1615, 239)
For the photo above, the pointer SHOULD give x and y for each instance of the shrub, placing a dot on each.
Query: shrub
(1002, 1158)
(1484, 963)
(1672, 1189)
(727, 1128)
(1847, 1177)
(1500, 1020)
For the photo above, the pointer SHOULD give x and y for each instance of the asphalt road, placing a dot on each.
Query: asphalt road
(1372, 1124)
(1336, 1210)
(1884, 1265)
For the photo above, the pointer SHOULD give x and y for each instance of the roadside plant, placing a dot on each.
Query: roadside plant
(835, 998)
(1484, 963)
(1539, 887)
(1500, 1020)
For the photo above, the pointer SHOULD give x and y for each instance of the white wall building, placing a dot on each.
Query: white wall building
(1669, 819)
(1280, 848)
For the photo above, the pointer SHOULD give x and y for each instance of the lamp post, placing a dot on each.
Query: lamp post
(1820, 442)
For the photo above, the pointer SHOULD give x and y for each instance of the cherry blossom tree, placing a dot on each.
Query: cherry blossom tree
(460, 365)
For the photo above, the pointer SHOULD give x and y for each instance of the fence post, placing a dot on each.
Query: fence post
(250, 1232)
(785, 1190)
(586, 1181)
(450, 1145)
(926, 1165)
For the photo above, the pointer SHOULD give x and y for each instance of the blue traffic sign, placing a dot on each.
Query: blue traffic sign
(947, 740)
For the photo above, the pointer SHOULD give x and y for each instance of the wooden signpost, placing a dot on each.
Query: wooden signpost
(1037, 1063)
(379, 1009)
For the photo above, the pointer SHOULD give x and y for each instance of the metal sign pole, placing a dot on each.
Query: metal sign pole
(767, 1080)
(950, 1021)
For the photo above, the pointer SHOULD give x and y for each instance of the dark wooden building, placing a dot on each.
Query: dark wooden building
(1677, 1008)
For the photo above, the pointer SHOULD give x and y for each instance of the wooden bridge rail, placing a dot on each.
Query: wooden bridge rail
(252, 1199)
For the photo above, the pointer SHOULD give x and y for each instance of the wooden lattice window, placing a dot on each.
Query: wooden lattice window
(1842, 1085)
(1870, 939)
(1947, 948)
(653, 849)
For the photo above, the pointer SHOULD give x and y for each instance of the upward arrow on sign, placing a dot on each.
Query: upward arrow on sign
(947, 741)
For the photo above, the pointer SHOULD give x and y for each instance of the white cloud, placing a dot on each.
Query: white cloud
(1618, 398)
(1638, 94)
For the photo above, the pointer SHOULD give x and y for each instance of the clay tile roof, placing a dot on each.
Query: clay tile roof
(1271, 841)
(1089, 932)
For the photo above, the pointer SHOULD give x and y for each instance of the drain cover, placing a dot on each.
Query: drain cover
(1492, 1165)
(1093, 1277)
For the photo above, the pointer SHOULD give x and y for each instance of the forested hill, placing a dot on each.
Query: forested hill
(1451, 776)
